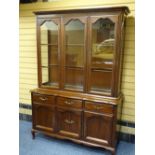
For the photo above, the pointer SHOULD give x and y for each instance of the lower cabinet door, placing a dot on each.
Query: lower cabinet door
(69, 123)
(43, 117)
(98, 128)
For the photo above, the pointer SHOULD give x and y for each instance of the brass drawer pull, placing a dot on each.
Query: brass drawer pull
(69, 121)
(43, 98)
(68, 102)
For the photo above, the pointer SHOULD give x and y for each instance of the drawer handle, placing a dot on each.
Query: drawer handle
(43, 98)
(68, 102)
(98, 107)
(69, 121)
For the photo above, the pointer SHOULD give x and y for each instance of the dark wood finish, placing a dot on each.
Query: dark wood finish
(43, 99)
(98, 128)
(43, 117)
(33, 134)
(107, 10)
(86, 104)
(73, 72)
(99, 107)
(69, 103)
(69, 123)
(113, 152)
(80, 141)
(107, 75)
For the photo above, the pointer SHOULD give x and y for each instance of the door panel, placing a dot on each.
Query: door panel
(43, 117)
(101, 54)
(69, 123)
(74, 53)
(49, 47)
(97, 128)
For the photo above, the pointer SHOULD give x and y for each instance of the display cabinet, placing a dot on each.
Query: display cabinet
(79, 54)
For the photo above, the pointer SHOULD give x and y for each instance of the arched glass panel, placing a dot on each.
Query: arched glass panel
(49, 53)
(102, 55)
(74, 55)
(103, 43)
(49, 33)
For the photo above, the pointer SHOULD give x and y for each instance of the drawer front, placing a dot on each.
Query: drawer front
(99, 107)
(43, 99)
(69, 123)
(67, 102)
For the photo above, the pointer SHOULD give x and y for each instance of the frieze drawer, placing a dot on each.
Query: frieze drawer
(99, 107)
(68, 102)
(43, 99)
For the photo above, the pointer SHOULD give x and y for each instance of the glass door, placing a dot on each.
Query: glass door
(74, 57)
(102, 50)
(49, 47)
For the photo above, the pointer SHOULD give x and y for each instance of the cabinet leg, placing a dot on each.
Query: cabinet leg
(33, 134)
(113, 152)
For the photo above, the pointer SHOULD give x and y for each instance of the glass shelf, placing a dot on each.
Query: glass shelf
(75, 67)
(74, 87)
(74, 44)
(51, 84)
(101, 69)
(50, 65)
(49, 44)
(97, 90)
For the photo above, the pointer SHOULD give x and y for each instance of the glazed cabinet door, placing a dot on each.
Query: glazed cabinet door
(43, 117)
(69, 123)
(49, 52)
(74, 47)
(98, 128)
(101, 53)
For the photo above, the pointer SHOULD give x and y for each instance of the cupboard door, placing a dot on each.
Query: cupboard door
(74, 53)
(69, 123)
(43, 117)
(49, 52)
(98, 128)
(101, 54)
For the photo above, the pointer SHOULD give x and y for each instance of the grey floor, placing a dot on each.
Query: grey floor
(44, 145)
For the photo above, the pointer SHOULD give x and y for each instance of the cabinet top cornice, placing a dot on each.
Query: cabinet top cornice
(124, 9)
